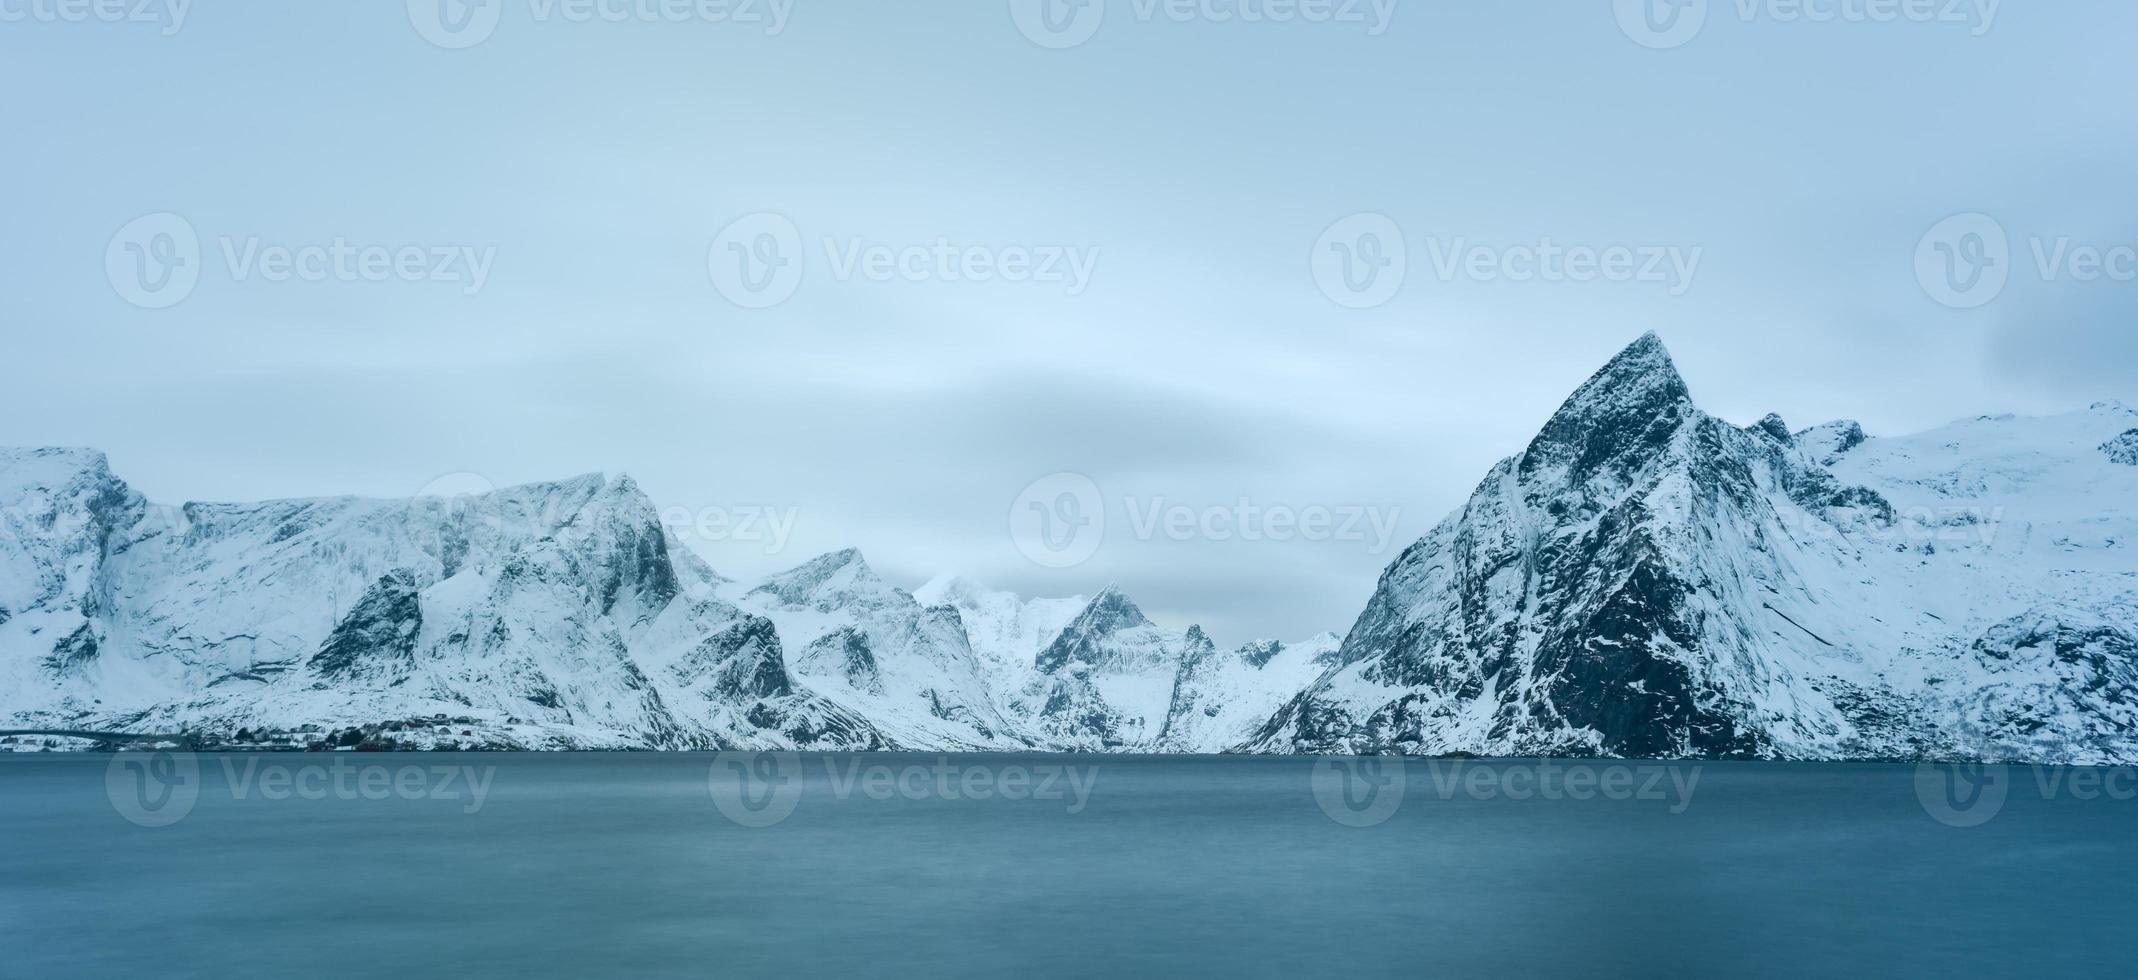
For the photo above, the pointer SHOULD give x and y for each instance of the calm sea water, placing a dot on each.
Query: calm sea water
(888, 865)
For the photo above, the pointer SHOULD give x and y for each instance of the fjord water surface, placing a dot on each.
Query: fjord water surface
(624, 865)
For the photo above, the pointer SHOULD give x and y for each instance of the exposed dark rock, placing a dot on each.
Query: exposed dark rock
(378, 636)
(1258, 653)
(74, 651)
(846, 651)
(1773, 427)
(2123, 449)
(1109, 612)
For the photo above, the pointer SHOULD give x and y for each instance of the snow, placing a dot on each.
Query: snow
(1648, 580)
(554, 615)
(1642, 579)
(543, 603)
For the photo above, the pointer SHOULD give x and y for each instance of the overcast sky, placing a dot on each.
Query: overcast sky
(1194, 341)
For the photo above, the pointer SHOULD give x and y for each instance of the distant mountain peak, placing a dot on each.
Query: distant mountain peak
(1108, 613)
(1258, 652)
(842, 572)
(1641, 371)
(1111, 610)
(1826, 443)
(949, 588)
(1773, 426)
(1631, 406)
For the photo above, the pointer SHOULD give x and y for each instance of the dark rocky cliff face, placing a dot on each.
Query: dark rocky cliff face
(1573, 606)
(2123, 449)
(378, 637)
(1109, 612)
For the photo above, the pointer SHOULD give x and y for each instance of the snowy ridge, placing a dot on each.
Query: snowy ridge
(551, 615)
(1648, 580)
(1642, 580)
(871, 647)
(555, 615)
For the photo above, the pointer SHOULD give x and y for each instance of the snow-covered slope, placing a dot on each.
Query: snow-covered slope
(1106, 680)
(870, 646)
(955, 664)
(1643, 579)
(1005, 630)
(1647, 580)
(1222, 699)
(548, 615)
(551, 615)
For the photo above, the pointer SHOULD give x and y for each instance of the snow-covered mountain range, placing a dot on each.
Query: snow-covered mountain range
(558, 615)
(1648, 580)
(1642, 580)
